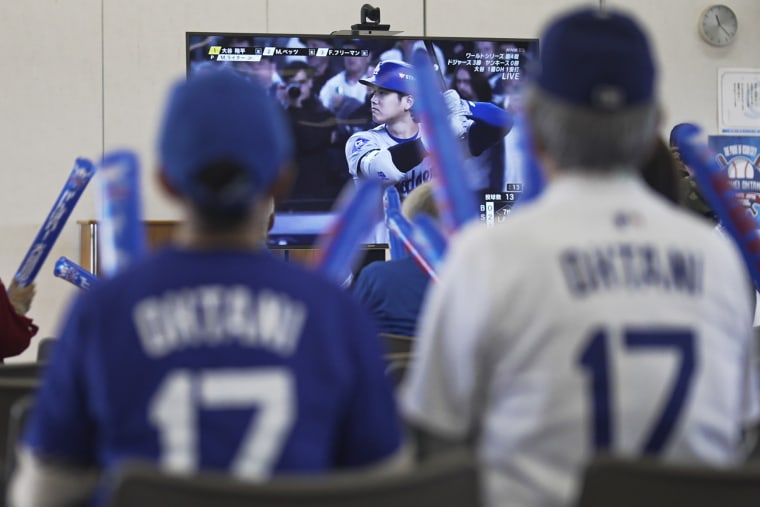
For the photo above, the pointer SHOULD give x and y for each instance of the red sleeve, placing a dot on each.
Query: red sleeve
(16, 331)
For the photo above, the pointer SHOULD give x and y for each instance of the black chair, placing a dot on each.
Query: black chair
(447, 481)
(20, 411)
(11, 390)
(397, 366)
(44, 347)
(31, 370)
(631, 482)
(397, 343)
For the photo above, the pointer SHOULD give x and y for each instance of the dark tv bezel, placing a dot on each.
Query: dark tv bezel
(283, 217)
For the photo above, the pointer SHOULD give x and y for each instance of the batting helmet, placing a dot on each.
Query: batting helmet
(393, 75)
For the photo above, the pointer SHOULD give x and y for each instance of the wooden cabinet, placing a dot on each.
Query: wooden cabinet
(160, 232)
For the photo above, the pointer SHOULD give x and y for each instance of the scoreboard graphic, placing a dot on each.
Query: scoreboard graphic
(495, 207)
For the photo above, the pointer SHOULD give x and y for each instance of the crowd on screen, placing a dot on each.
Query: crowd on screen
(326, 103)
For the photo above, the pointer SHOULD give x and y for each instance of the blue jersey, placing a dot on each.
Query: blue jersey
(393, 292)
(233, 361)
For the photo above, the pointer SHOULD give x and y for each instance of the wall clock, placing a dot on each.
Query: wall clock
(718, 25)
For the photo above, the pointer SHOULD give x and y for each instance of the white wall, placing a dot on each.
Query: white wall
(50, 113)
(82, 76)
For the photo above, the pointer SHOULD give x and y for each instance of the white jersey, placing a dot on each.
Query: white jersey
(338, 86)
(597, 317)
(362, 143)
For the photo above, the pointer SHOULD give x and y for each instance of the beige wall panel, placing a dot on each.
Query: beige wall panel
(50, 113)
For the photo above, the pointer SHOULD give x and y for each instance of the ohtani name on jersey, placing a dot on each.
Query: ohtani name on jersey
(213, 315)
(626, 266)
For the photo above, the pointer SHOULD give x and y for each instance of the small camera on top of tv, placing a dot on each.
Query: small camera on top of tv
(294, 90)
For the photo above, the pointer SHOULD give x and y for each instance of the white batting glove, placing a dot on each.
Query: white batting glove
(458, 113)
(454, 103)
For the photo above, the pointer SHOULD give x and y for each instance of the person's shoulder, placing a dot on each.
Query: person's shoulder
(371, 270)
(474, 238)
(335, 78)
(680, 226)
(364, 139)
(113, 286)
(310, 284)
(687, 225)
(368, 277)
(326, 301)
(380, 270)
(376, 268)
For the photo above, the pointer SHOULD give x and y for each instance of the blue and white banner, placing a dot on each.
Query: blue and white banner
(51, 228)
(72, 272)
(739, 157)
(121, 229)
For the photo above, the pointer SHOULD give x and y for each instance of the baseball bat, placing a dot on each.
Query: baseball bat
(122, 233)
(392, 202)
(717, 190)
(358, 211)
(53, 225)
(73, 273)
(430, 52)
(455, 200)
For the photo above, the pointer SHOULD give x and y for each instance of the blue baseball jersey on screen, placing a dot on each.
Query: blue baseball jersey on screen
(235, 361)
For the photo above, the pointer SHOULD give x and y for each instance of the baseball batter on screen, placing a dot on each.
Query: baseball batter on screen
(395, 150)
(599, 317)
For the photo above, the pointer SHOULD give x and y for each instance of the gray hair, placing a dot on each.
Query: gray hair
(579, 138)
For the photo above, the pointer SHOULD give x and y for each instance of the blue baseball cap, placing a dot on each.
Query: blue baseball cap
(220, 116)
(595, 58)
(394, 75)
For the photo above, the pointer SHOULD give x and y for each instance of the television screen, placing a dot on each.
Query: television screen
(323, 82)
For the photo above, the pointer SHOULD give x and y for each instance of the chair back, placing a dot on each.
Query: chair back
(30, 370)
(397, 343)
(396, 367)
(11, 390)
(634, 482)
(44, 348)
(446, 481)
(20, 411)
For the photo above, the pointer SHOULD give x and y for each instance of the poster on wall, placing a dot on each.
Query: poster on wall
(740, 157)
(739, 101)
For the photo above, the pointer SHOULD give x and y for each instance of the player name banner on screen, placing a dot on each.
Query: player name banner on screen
(255, 54)
(315, 79)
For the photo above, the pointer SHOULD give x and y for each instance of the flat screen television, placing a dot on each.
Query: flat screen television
(315, 78)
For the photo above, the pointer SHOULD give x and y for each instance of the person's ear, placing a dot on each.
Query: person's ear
(409, 99)
(270, 223)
